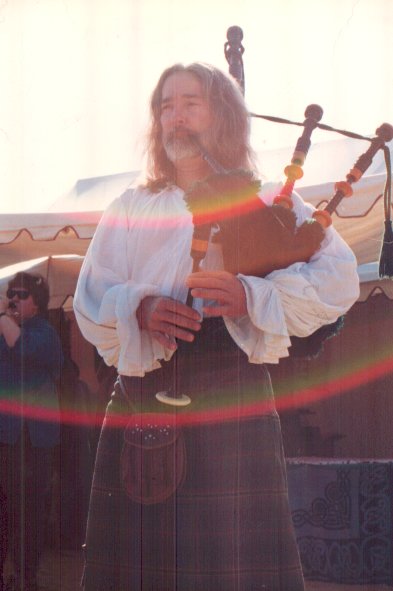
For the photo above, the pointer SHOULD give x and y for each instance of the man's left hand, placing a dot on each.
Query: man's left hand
(223, 287)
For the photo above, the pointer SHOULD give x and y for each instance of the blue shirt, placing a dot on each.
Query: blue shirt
(28, 394)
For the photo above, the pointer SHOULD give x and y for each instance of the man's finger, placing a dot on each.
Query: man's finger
(162, 319)
(164, 340)
(211, 294)
(173, 330)
(231, 311)
(166, 305)
(211, 274)
(207, 281)
(167, 338)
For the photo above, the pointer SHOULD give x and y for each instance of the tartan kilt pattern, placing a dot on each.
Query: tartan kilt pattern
(228, 525)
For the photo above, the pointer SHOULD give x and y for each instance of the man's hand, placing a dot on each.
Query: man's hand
(167, 319)
(223, 287)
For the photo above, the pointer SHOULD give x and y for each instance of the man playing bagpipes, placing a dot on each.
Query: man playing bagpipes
(194, 497)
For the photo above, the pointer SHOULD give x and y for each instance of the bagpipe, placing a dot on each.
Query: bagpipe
(229, 198)
(257, 238)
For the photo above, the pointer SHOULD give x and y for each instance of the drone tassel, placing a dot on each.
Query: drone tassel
(386, 256)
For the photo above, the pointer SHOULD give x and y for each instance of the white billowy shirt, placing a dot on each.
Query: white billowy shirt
(142, 248)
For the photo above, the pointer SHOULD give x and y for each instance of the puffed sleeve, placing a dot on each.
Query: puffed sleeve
(298, 300)
(106, 298)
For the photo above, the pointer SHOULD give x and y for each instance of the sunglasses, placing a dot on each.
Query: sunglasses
(22, 294)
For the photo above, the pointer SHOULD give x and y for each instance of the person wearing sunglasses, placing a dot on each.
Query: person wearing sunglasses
(30, 362)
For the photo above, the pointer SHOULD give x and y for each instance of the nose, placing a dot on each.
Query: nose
(177, 116)
(180, 118)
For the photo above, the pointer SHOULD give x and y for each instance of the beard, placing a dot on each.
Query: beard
(178, 146)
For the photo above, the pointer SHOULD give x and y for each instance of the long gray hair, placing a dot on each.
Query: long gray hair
(230, 133)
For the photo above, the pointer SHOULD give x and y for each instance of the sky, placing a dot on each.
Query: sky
(76, 76)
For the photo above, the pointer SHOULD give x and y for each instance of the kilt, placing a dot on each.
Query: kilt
(227, 526)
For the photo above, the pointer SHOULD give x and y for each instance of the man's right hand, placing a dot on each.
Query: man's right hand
(167, 319)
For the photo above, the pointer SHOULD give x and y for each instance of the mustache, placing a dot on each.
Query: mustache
(182, 132)
(179, 143)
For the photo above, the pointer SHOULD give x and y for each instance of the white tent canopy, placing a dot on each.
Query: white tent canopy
(30, 236)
